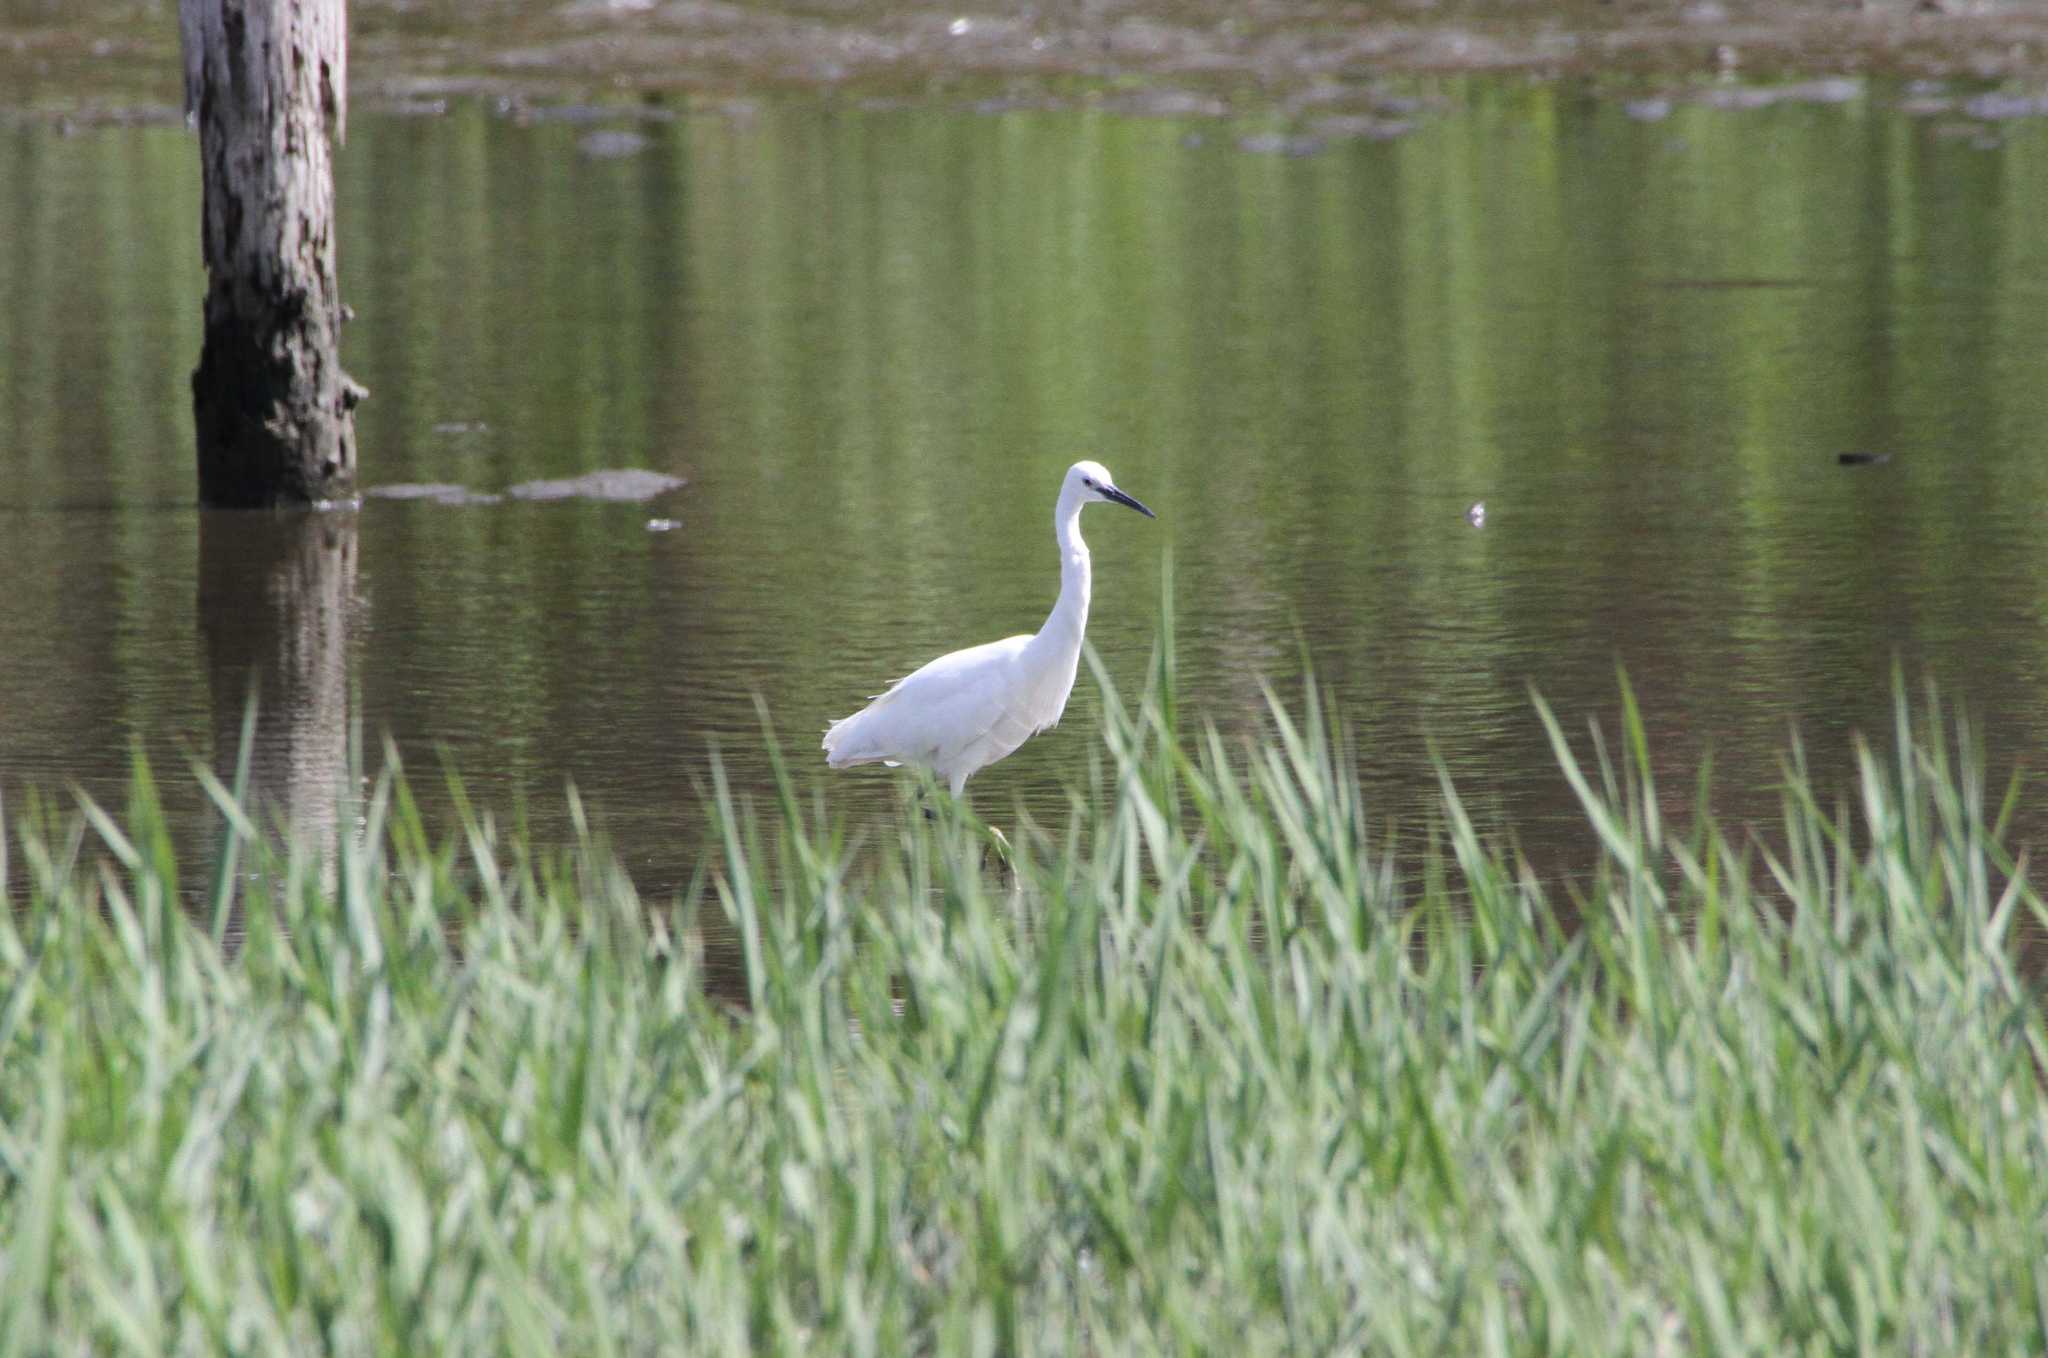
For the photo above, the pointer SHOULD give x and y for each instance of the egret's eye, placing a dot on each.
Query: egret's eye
(1088, 482)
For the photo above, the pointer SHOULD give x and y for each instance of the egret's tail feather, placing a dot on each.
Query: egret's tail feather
(845, 744)
(860, 739)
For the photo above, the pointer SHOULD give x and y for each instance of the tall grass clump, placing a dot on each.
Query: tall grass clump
(1199, 1070)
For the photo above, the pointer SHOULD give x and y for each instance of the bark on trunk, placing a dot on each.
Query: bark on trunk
(266, 81)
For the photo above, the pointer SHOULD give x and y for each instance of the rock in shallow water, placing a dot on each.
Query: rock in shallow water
(1999, 107)
(1366, 125)
(1279, 144)
(612, 145)
(437, 493)
(625, 485)
(629, 484)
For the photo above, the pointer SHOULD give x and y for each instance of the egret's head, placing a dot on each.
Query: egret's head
(1090, 481)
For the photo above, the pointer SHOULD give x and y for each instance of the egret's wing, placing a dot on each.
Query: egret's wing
(941, 706)
(987, 704)
(957, 669)
(958, 697)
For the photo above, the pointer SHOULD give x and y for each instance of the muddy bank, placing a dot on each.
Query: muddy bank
(116, 60)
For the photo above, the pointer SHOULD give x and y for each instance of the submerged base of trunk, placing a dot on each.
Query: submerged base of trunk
(273, 414)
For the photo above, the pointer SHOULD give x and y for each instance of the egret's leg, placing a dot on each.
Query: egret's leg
(997, 840)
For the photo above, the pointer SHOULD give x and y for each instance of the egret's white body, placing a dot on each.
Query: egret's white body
(965, 710)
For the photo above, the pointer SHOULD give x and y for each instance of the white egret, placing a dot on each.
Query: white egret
(964, 711)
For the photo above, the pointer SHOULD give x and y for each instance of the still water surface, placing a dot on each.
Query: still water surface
(873, 338)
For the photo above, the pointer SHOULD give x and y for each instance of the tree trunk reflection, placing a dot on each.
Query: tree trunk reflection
(277, 606)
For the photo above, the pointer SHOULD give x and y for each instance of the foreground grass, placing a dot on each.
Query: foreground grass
(1208, 1075)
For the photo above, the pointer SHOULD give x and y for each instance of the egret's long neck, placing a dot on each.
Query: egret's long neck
(1069, 616)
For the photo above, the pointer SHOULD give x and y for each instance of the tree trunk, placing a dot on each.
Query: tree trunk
(265, 80)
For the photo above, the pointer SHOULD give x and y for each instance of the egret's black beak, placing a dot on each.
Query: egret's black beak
(1111, 492)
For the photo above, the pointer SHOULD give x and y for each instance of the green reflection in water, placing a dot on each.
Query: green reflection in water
(872, 340)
